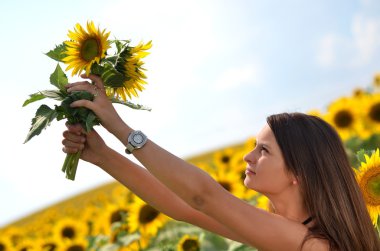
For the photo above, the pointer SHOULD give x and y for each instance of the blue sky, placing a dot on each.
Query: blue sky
(216, 70)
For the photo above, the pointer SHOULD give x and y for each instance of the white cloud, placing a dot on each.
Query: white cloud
(357, 50)
(249, 74)
(326, 52)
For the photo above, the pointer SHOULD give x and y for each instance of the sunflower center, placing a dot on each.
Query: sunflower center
(75, 248)
(372, 186)
(190, 245)
(48, 247)
(242, 175)
(2, 247)
(225, 159)
(117, 216)
(374, 112)
(89, 49)
(343, 119)
(147, 214)
(226, 185)
(68, 232)
(377, 80)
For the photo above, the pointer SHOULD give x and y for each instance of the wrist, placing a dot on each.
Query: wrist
(121, 132)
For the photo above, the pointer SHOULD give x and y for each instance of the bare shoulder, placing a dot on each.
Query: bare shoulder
(315, 244)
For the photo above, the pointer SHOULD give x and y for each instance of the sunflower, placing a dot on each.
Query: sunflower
(85, 48)
(121, 194)
(222, 158)
(5, 243)
(51, 244)
(133, 246)
(315, 112)
(77, 245)
(28, 244)
(231, 181)
(111, 214)
(263, 202)
(376, 80)
(189, 243)
(14, 234)
(368, 177)
(343, 115)
(90, 215)
(359, 92)
(131, 66)
(70, 228)
(371, 107)
(145, 218)
(238, 165)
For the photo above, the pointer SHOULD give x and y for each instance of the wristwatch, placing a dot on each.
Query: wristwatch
(136, 140)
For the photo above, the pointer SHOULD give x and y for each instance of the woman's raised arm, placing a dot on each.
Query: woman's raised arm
(139, 180)
(259, 228)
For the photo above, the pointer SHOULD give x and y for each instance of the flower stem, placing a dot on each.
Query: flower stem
(70, 165)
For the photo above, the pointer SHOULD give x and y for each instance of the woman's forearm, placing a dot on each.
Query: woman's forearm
(188, 182)
(142, 183)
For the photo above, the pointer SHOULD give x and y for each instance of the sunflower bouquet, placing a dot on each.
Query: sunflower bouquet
(91, 51)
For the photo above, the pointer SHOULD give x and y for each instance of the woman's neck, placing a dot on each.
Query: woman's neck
(290, 205)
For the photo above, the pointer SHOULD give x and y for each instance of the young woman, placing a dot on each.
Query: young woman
(299, 163)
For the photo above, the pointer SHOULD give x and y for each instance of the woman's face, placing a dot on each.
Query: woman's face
(266, 171)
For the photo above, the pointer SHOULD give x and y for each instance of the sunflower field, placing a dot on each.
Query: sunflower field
(112, 218)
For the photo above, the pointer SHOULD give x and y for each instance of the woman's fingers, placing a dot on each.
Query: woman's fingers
(72, 142)
(82, 86)
(74, 137)
(75, 128)
(96, 79)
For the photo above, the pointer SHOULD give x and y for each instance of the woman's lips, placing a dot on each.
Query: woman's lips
(249, 172)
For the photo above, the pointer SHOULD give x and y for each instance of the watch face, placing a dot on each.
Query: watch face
(138, 138)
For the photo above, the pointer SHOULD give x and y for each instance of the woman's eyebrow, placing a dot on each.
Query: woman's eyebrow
(263, 144)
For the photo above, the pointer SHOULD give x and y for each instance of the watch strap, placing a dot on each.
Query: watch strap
(129, 148)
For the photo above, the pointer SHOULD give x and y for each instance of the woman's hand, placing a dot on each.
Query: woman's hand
(91, 144)
(101, 105)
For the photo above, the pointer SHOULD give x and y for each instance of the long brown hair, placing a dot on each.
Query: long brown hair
(314, 153)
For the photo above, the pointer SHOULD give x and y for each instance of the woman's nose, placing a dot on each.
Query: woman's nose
(249, 157)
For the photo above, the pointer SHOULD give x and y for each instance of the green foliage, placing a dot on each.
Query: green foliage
(59, 79)
(44, 116)
(360, 155)
(33, 98)
(58, 53)
(130, 104)
(356, 145)
(110, 76)
(81, 115)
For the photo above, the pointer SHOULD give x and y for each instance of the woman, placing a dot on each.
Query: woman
(299, 163)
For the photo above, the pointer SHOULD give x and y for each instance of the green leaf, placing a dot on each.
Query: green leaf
(128, 239)
(236, 246)
(42, 119)
(80, 115)
(33, 98)
(111, 76)
(360, 154)
(211, 242)
(130, 104)
(91, 121)
(59, 79)
(58, 53)
(55, 94)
